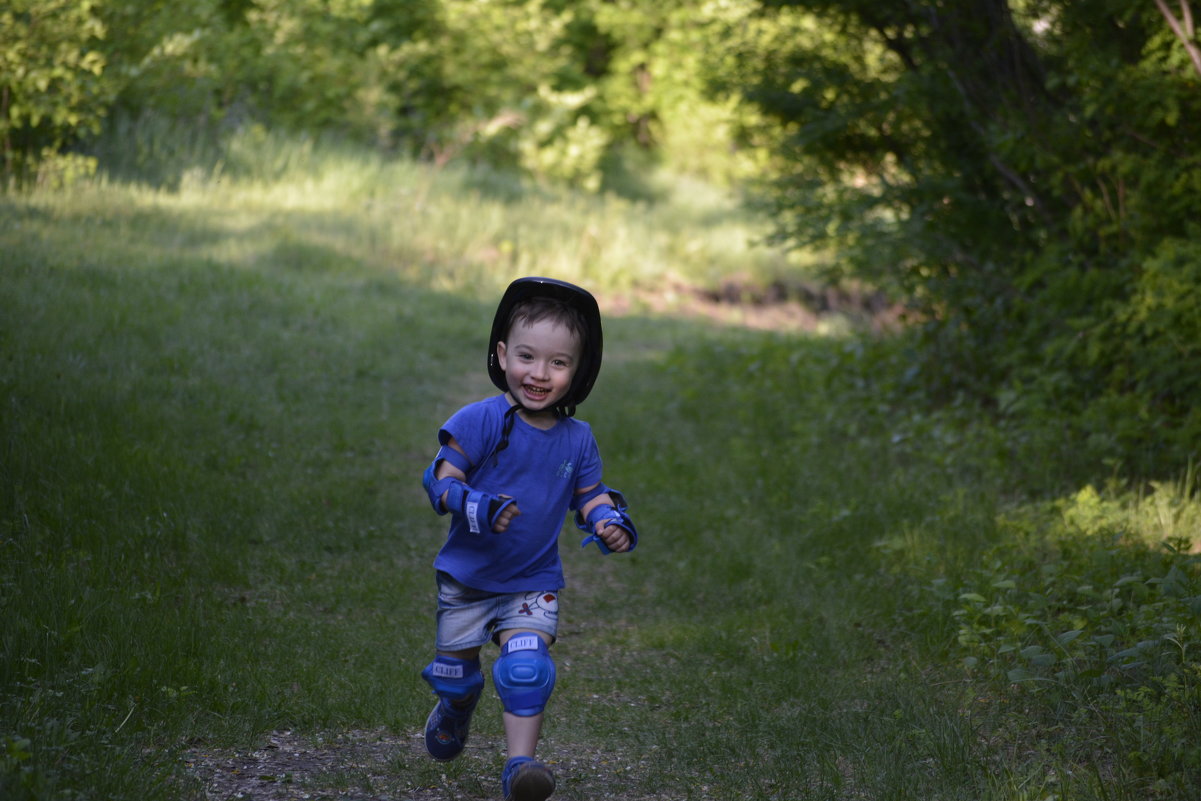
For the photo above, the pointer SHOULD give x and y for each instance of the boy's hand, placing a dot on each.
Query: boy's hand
(605, 521)
(616, 538)
(506, 515)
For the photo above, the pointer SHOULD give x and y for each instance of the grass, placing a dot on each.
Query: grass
(319, 204)
(218, 399)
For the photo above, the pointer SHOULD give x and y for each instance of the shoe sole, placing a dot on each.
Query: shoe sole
(428, 750)
(531, 784)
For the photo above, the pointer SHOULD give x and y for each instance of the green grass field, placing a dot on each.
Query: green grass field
(217, 403)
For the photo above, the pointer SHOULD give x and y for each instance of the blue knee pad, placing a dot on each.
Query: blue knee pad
(524, 675)
(454, 679)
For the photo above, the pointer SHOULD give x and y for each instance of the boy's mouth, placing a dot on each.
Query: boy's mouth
(538, 393)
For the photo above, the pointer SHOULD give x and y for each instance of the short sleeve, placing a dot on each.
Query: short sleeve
(476, 430)
(591, 469)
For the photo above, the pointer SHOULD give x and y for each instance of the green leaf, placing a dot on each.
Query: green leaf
(1069, 636)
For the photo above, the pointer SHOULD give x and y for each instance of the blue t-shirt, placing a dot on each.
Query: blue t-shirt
(542, 470)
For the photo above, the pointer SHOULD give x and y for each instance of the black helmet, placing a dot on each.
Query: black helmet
(575, 297)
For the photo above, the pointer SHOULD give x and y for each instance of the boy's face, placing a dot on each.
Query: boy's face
(539, 360)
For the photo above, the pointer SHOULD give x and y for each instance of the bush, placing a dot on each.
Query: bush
(1024, 179)
(52, 88)
(1151, 402)
(1093, 604)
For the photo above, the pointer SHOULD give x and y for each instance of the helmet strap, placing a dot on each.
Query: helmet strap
(506, 429)
(507, 425)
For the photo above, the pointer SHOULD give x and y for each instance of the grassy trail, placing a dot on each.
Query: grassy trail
(212, 533)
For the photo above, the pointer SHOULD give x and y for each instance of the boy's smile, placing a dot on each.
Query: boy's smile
(539, 360)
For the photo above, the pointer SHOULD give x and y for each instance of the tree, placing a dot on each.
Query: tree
(51, 86)
(551, 86)
(1183, 29)
(1012, 169)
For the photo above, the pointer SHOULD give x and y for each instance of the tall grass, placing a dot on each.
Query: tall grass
(218, 398)
(450, 228)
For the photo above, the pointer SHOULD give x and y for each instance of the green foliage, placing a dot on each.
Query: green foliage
(1093, 604)
(52, 90)
(559, 90)
(1149, 352)
(1011, 171)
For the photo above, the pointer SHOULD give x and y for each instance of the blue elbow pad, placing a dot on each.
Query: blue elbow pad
(435, 486)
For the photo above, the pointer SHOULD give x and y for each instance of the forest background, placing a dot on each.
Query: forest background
(1016, 182)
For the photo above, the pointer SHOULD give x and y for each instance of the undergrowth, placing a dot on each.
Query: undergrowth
(1090, 606)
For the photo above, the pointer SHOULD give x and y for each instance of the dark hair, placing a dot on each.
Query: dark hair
(536, 309)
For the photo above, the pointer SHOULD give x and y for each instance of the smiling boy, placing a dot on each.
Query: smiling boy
(508, 470)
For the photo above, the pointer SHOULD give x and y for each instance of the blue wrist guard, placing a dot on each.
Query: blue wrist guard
(480, 509)
(609, 515)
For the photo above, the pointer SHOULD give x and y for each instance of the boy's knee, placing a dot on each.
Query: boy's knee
(524, 675)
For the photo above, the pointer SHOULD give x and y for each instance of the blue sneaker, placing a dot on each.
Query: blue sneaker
(526, 779)
(446, 729)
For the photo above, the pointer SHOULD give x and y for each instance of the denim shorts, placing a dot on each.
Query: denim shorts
(468, 618)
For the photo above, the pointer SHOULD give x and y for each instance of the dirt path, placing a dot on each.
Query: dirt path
(779, 306)
(381, 766)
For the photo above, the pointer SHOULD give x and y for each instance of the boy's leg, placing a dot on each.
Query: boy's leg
(521, 734)
(523, 730)
(465, 620)
(524, 676)
(457, 681)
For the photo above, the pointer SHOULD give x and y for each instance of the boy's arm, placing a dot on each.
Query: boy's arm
(443, 469)
(614, 537)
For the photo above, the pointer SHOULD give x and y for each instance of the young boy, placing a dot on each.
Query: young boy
(508, 470)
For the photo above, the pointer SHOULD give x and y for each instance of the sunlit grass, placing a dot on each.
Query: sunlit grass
(457, 226)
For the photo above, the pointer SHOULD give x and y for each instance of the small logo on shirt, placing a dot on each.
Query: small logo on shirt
(565, 469)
